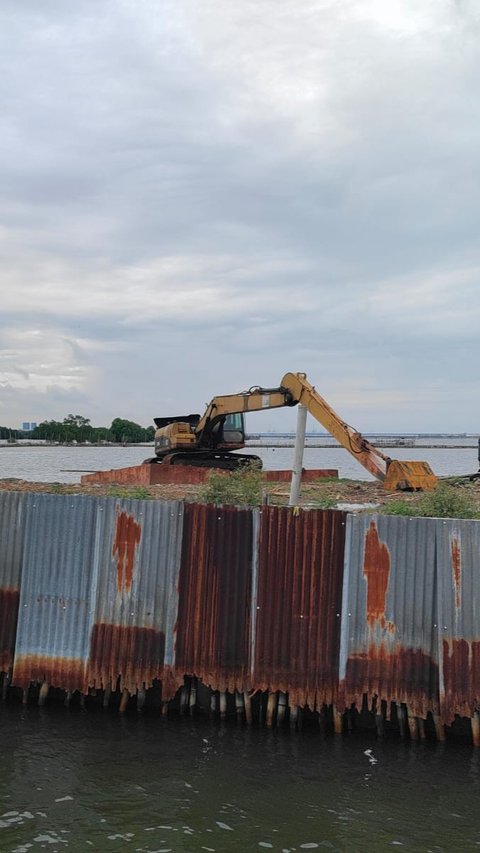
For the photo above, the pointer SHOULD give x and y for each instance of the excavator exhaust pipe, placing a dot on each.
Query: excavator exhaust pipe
(409, 477)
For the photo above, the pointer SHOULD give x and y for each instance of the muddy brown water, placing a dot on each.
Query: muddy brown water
(73, 780)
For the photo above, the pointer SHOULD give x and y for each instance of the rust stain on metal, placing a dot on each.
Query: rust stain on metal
(133, 653)
(376, 569)
(127, 536)
(393, 675)
(213, 624)
(8, 626)
(461, 678)
(299, 599)
(66, 673)
(456, 553)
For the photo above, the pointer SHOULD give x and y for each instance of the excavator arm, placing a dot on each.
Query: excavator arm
(394, 474)
(364, 452)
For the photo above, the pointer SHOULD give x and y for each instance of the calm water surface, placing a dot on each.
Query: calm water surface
(78, 781)
(66, 464)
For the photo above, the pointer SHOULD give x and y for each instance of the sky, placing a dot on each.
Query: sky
(198, 196)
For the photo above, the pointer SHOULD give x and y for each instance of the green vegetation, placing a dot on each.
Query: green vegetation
(234, 488)
(7, 434)
(399, 507)
(140, 493)
(79, 429)
(324, 502)
(76, 428)
(444, 502)
(130, 432)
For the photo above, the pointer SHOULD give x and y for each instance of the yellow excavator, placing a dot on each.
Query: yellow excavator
(208, 440)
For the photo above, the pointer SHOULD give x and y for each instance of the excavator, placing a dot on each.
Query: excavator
(208, 440)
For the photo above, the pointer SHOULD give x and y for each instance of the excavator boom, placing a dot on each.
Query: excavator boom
(254, 400)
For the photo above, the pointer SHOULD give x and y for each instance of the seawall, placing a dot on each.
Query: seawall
(271, 610)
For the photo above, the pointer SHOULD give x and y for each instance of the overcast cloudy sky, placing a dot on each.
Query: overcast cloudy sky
(200, 195)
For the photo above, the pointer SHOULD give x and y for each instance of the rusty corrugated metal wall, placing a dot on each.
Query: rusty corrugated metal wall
(326, 607)
(298, 604)
(389, 644)
(12, 528)
(215, 587)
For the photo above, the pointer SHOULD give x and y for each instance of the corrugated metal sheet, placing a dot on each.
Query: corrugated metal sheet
(213, 628)
(136, 565)
(98, 599)
(389, 625)
(458, 549)
(12, 513)
(300, 573)
(56, 592)
(115, 592)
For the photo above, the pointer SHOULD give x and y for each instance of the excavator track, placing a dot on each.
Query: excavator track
(215, 460)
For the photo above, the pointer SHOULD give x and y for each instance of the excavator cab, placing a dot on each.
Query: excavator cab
(234, 430)
(229, 432)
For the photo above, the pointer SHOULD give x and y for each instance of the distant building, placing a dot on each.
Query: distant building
(28, 426)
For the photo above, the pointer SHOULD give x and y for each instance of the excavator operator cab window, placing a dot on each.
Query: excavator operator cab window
(234, 429)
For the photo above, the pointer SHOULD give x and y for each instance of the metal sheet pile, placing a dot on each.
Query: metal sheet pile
(11, 559)
(320, 606)
(298, 609)
(215, 589)
(389, 648)
(458, 547)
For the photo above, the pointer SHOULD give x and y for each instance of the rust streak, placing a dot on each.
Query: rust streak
(8, 626)
(66, 673)
(127, 536)
(401, 675)
(376, 569)
(456, 553)
(461, 677)
(133, 653)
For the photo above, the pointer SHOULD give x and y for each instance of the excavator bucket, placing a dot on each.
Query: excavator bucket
(409, 476)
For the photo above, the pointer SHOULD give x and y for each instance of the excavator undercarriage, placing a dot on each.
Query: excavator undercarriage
(222, 460)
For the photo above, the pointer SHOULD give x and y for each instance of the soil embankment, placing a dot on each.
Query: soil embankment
(321, 494)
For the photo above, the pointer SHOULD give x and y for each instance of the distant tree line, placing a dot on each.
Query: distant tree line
(79, 429)
(8, 433)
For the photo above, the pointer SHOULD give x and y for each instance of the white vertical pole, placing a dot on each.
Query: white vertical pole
(298, 456)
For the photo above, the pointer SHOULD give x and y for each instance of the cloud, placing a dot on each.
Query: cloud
(35, 361)
(200, 196)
